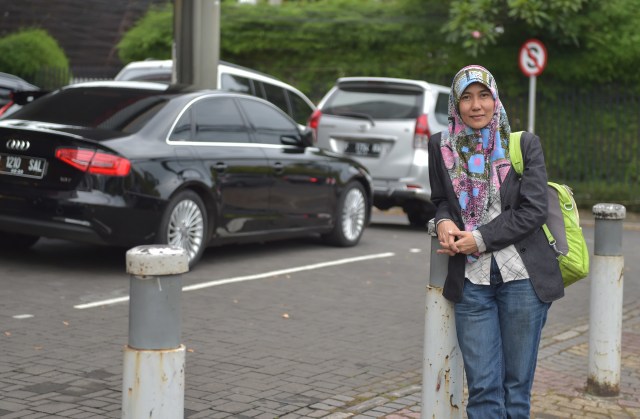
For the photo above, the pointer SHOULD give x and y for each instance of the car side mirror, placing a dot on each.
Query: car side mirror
(24, 97)
(307, 137)
(291, 140)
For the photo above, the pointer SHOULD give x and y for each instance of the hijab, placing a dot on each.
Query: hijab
(477, 160)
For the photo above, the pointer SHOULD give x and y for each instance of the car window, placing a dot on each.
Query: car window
(182, 130)
(258, 89)
(300, 110)
(269, 124)
(235, 83)
(442, 108)
(382, 103)
(121, 110)
(145, 74)
(219, 120)
(277, 96)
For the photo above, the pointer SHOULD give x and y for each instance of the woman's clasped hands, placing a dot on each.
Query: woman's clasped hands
(453, 240)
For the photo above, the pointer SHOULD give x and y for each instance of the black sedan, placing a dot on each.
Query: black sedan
(131, 163)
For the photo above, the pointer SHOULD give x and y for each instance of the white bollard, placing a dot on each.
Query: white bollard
(443, 368)
(605, 311)
(154, 359)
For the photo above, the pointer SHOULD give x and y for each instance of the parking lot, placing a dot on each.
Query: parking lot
(303, 330)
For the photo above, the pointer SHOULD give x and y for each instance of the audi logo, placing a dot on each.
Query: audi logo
(19, 145)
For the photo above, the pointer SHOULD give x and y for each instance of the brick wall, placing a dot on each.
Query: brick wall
(87, 30)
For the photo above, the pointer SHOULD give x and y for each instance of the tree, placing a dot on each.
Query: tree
(478, 24)
(150, 37)
(36, 56)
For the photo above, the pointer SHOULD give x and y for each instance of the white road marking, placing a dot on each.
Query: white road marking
(248, 278)
(22, 316)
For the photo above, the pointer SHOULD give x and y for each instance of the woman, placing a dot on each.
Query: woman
(502, 273)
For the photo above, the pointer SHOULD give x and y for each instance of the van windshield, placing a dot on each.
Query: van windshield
(379, 103)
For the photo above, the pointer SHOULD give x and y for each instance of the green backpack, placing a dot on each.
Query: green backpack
(563, 222)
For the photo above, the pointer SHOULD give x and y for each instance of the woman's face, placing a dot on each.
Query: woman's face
(476, 106)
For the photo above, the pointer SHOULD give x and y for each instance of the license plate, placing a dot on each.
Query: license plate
(363, 149)
(32, 167)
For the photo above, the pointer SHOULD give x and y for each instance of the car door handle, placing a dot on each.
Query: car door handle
(220, 167)
(278, 167)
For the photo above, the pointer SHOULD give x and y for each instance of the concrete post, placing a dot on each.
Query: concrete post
(605, 311)
(154, 359)
(442, 374)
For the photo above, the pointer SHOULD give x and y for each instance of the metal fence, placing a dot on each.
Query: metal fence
(586, 136)
(50, 78)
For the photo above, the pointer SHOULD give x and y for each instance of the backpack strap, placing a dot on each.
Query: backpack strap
(515, 155)
(515, 152)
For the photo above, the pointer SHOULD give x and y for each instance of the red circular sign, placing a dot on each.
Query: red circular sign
(533, 58)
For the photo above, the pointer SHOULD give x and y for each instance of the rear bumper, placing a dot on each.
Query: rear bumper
(88, 217)
(395, 193)
(59, 229)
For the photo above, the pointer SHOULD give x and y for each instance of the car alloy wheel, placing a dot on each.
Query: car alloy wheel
(185, 224)
(353, 214)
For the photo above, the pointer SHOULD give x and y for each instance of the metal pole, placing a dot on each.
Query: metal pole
(196, 29)
(605, 311)
(442, 374)
(183, 41)
(532, 103)
(154, 359)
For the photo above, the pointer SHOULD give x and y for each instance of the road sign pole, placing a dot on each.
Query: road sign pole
(532, 103)
(532, 60)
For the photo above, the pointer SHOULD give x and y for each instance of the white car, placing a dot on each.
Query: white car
(232, 78)
(385, 124)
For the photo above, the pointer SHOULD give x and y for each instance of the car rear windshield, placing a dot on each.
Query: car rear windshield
(114, 109)
(377, 102)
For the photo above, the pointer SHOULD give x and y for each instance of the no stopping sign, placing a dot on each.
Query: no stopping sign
(533, 58)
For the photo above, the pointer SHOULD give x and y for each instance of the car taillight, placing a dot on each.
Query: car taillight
(94, 162)
(421, 134)
(314, 121)
(5, 107)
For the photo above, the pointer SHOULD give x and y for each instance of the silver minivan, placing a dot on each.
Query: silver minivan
(385, 124)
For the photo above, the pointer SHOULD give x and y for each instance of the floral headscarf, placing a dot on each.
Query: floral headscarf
(477, 160)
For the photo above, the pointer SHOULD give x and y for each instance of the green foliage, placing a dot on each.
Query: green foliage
(311, 46)
(34, 55)
(151, 37)
(472, 24)
(311, 43)
(609, 46)
(479, 24)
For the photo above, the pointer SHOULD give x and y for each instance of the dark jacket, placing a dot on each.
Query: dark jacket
(524, 211)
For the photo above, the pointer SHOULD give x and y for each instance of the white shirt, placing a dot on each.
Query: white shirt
(509, 261)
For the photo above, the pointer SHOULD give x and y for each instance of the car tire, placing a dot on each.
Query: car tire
(350, 217)
(185, 224)
(17, 241)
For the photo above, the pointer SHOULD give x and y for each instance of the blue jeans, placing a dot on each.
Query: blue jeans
(499, 328)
